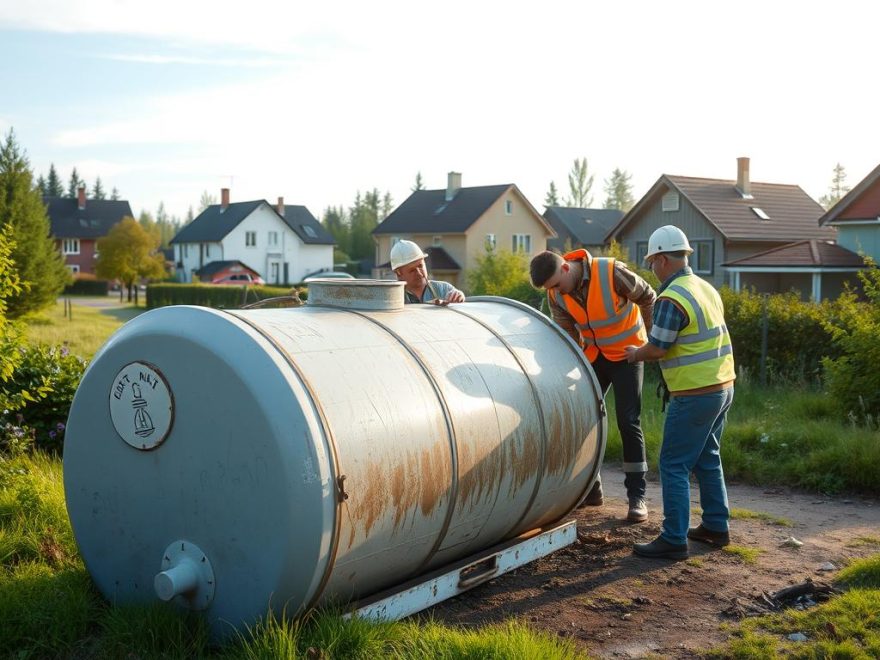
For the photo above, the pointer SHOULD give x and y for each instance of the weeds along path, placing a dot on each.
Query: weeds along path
(614, 604)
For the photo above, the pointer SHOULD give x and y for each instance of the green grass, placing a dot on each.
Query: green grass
(790, 436)
(49, 607)
(747, 514)
(862, 573)
(864, 540)
(84, 334)
(744, 554)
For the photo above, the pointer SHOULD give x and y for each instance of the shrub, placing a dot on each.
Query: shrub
(852, 376)
(503, 273)
(797, 336)
(38, 397)
(87, 284)
(212, 295)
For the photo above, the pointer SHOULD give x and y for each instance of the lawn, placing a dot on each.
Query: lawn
(93, 321)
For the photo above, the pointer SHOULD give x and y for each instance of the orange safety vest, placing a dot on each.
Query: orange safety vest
(610, 322)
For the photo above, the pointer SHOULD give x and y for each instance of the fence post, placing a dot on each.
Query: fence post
(764, 328)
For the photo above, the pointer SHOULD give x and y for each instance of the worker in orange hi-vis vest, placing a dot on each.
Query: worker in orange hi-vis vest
(605, 307)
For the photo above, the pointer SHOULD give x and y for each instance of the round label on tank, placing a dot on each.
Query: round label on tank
(141, 406)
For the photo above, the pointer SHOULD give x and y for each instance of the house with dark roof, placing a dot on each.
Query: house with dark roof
(580, 228)
(857, 217)
(724, 220)
(455, 225)
(78, 223)
(813, 268)
(282, 243)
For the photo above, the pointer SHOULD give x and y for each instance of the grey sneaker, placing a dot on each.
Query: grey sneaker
(638, 510)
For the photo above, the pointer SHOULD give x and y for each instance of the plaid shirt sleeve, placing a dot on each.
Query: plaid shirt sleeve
(669, 320)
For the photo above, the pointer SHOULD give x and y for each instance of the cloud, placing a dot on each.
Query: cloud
(209, 61)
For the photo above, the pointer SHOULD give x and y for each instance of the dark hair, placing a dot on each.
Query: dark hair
(678, 254)
(544, 265)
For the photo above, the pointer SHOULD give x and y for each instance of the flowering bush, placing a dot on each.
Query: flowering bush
(38, 396)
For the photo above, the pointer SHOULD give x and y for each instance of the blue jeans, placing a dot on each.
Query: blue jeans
(692, 442)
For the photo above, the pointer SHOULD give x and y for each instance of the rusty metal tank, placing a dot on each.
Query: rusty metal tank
(233, 460)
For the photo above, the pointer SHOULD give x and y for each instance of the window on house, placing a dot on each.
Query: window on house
(508, 207)
(73, 268)
(641, 251)
(70, 246)
(522, 243)
(438, 241)
(395, 240)
(273, 238)
(760, 213)
(207, 249)
(310, 231)
(670, 201)
(490, 241)
(702, 260)
(186, 250)
(250, 239)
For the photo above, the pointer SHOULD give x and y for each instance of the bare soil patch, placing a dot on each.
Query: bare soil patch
(615, 604)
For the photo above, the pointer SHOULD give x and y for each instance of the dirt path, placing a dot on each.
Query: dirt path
(614, 604)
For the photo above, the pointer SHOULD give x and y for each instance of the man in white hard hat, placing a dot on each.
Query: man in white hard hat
(408, 263)
(690, 340)
(604, 307)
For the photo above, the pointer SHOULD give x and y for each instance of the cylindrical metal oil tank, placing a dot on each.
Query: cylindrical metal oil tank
(233, 460)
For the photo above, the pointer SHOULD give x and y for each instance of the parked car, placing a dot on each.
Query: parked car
(240, 279)
(332, 275)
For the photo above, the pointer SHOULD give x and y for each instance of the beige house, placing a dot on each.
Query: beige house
(456, 225)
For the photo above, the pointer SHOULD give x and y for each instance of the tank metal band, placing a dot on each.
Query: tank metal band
(450, 429)
(543, 461)
(331, 443)
(600, 400)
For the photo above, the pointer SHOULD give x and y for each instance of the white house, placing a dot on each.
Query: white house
(282, 243)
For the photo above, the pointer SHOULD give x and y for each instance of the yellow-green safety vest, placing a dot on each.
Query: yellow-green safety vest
(702, 354)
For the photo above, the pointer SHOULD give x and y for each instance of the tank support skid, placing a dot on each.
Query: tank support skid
(456, 578)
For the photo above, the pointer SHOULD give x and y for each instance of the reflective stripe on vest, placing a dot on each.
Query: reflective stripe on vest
(702, 354)
(610, 321)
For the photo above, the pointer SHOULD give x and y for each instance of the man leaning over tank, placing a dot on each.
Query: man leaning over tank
(408, 264)
(604, 306)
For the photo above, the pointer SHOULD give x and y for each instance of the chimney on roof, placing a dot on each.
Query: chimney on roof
(453, 185)
(742, 177)
(280, 207)
(81, 198)
(224, 198)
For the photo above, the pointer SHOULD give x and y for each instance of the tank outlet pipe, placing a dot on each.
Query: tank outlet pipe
(187, 573)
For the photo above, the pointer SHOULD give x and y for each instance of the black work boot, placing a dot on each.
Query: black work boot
(660, 548)
(700, 533)
(594, 497)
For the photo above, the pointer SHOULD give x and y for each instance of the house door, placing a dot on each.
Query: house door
(274, 272)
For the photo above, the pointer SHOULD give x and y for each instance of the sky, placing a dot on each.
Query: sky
(317, 101)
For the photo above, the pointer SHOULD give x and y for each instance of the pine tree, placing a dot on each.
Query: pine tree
(579, 183)
(336, 223)
(98, 190)
(41, 185)
(190, 216)
(39, 264)
(206, 201)
(618, 191)
(53, 183)
(837, 189)
(552, 196)
(418, 185)
(114, 194)
(74, 184)
(387, 205)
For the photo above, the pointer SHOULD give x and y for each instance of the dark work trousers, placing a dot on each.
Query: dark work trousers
(626, 380)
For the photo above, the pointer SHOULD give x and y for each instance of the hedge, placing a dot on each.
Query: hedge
(87, 287)
(212, 295)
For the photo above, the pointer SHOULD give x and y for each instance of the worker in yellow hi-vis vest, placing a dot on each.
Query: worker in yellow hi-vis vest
(689, 338)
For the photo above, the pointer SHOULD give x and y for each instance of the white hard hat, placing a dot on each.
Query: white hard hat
(405, 252)
(668, 238)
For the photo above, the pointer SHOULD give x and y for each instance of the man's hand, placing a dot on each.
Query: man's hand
(454, 297)
(631, 353)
